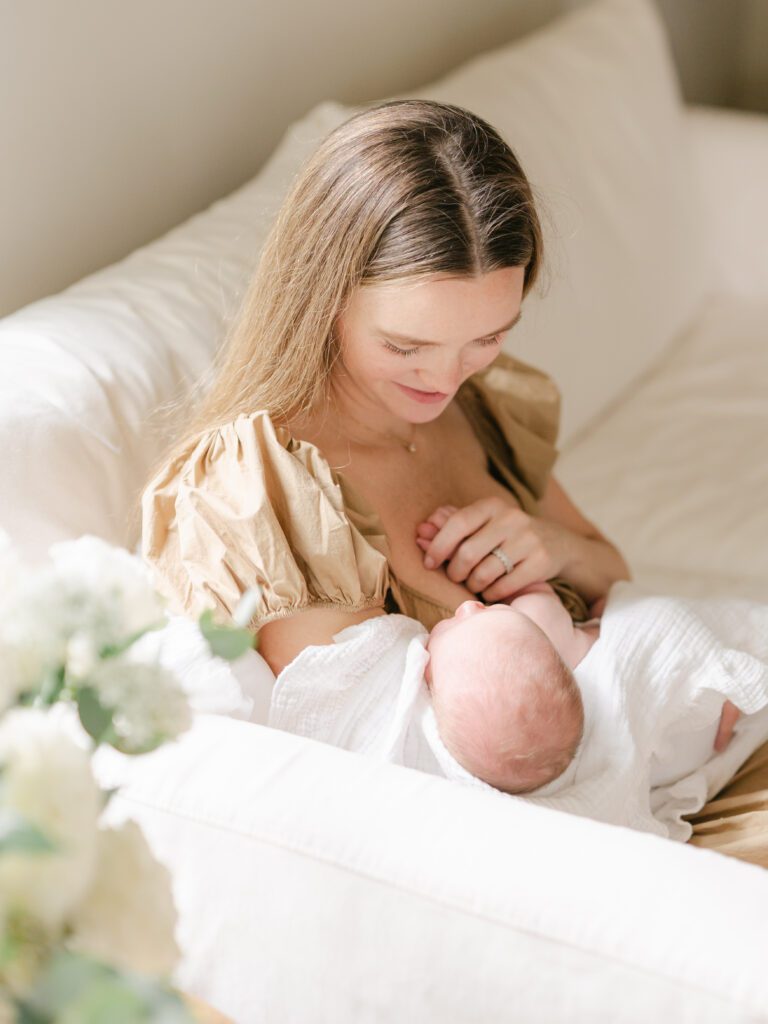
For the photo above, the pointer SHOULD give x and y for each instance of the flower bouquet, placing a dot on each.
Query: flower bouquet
(87, 919)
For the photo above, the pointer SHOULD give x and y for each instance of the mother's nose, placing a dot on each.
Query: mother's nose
(467, 608)
(449, 377)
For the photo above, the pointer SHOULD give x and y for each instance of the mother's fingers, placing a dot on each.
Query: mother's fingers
(472, 562)
(529, 568)
(487, 571)
(462, 523)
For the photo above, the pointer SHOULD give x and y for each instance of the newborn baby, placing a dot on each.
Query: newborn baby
(648, 694)
(506, 702)
(505, 699)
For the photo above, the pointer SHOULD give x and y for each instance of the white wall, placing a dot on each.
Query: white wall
(119, 120)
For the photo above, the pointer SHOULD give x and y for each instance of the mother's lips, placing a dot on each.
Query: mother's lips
(423, 396)
(421, 391)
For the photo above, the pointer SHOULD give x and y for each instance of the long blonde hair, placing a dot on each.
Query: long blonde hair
(402, 189)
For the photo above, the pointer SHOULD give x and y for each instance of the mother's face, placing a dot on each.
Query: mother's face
(402, 340)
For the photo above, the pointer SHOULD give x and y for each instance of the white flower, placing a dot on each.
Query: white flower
(32, 629)
(128, 916)
(114, 579)
(92, 595)
(14, 672)
(148, 702)
(47, 779)
(90, 586)
(82, 654)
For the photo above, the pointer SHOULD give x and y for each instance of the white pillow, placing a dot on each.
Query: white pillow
(591, 106)
(81, 371)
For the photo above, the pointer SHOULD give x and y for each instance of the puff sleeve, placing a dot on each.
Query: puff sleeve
(525, 403)
(250, 504)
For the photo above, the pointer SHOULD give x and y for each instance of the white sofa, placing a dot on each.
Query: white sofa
(316, 885)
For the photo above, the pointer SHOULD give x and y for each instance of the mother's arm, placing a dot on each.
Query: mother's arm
(282, 640)
(595, 562)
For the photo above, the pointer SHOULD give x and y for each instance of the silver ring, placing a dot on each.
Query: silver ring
(504, 558)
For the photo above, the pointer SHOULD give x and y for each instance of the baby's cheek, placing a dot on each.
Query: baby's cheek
(434, 673)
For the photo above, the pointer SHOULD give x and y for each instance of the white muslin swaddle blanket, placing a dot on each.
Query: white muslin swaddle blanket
(653, 687)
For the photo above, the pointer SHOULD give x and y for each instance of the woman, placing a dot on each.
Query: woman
(363, 386)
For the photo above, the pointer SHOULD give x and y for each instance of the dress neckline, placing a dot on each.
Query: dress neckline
(487, 428)
(467, 388)
(469, 396)
(467, 391)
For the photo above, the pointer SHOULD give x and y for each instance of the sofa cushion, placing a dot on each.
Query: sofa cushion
(675, 473)
(730, 149)
(316, 884)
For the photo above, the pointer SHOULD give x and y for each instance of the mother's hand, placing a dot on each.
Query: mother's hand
(465, 538)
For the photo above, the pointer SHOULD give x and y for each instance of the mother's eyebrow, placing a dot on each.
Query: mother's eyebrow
(419, 341)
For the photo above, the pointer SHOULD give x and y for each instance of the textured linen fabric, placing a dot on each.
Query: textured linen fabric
(653, 687)
(249, 504)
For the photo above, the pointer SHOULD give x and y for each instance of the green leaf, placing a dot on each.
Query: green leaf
(51, 687)
(17, 835)
(107, 999)
(95, 718)
(65, 976)
(9, 949)
(113, 650)
(228, 642)
(75, 989)
(128, 746)
(25, 1015)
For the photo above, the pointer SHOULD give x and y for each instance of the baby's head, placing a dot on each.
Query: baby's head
(507, 705)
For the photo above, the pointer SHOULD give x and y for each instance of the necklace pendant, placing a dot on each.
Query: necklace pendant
(411, 447)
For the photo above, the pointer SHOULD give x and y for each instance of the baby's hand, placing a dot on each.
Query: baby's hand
(728, 718)
(428, 528)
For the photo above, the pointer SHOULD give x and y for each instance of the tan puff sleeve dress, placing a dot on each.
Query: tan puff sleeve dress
(248, 503)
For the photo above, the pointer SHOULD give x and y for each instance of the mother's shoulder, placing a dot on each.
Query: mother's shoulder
(261, 423)
(244, 444)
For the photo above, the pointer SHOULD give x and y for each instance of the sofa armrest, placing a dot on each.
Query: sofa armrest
(730, 166)
(317, 884)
